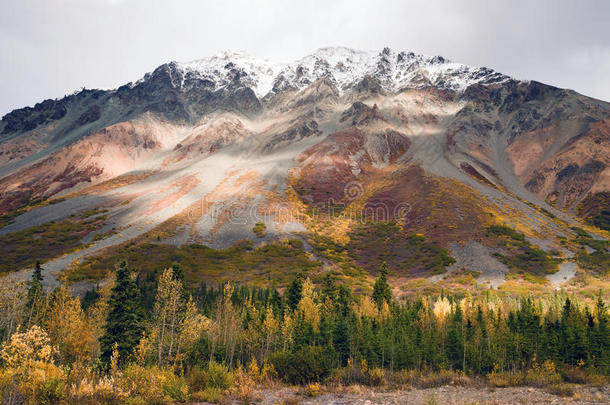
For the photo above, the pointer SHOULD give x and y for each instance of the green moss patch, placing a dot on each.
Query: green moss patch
(597, 261)
(523, 258)
(260, 229)
(22, 249)
(8, 217)
(276, 262)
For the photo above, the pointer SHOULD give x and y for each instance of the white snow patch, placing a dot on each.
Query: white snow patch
(343, 66)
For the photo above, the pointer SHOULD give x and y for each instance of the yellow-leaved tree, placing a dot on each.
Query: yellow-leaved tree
(192, 326)
(176, 323)
(227, 326)
(271, 328)
(168, 316)
(29, 373)
(12, 306)
(308, 305)
(97, 312)
(71, 331)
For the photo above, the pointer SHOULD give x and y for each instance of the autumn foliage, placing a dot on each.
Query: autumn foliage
(157, 340)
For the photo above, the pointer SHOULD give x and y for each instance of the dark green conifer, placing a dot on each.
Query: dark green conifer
(295, 292)
(341, 340)
(124, 323)
(329, 290)
(381, 289)
(455, 336)
(35, 296)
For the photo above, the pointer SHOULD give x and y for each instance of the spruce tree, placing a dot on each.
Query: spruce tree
(381, 289)
(178, 272)
(329, 290)
(303, 333)
(344, 299)
(455, 340)
(295, 292)
(601, 337)
(124, 321)
(35, 296)
(325, 333)
(276, 302)
(341, 340)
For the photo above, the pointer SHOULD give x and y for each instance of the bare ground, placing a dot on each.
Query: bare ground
(474, 256)
(438, 395)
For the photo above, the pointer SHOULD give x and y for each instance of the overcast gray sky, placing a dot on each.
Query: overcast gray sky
(49, 48)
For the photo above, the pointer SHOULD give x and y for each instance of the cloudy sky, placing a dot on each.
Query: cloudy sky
(49, 48)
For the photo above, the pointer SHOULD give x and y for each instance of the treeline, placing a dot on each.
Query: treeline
(155, 339)
(474, 335)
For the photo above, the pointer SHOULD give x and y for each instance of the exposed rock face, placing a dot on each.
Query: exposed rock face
(181, 96)
(29, 118)
(552, 141)
(92, 114)
(578, 168)
(361, 114)
(209, 136)
(301, 129)
(444, 148)
(104, 154)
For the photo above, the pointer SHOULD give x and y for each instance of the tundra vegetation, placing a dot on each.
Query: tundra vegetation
(157, 339)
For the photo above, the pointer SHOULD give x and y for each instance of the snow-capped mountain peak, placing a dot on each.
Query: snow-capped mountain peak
(221, 69)
(344, 67)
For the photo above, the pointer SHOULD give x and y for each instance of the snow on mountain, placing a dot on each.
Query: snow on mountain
(342, 66)
(223, 69)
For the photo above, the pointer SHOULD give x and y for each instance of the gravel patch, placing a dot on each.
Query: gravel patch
(567, 270)
(53, 212)
(438, 395)
(475, 257)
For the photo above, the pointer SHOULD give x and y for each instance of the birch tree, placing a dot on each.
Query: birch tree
(168, 316)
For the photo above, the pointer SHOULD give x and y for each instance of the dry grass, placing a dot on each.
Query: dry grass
(561, 389)
(22, 249)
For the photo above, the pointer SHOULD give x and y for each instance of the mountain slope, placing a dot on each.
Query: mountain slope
(357, 157)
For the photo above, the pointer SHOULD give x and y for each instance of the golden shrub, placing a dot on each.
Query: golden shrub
(103, 390)
(313, 390)
(543, 374)
(29, 371)
(268, 375)
(243, 383)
